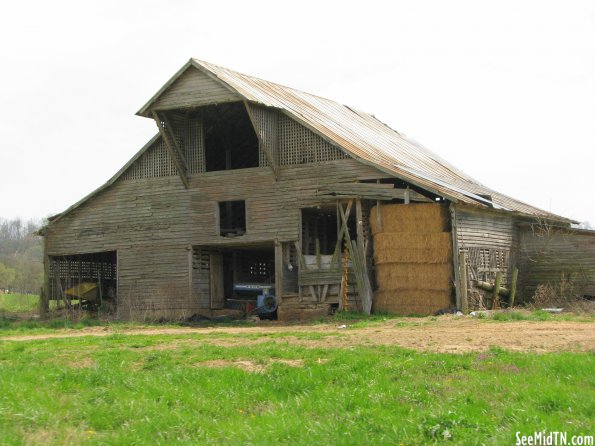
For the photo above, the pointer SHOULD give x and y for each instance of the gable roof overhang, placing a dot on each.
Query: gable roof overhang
(361, 136)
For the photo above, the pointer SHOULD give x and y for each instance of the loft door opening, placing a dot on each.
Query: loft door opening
(230, 139)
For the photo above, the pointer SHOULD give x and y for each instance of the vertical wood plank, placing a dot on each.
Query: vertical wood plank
(513, 285)
(217, 284)
(455, 255)
(279, 271)
(463, 305)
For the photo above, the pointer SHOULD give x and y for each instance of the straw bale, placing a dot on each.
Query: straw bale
(414, 217)
(412, 301)
(412, 255)
(423, 276)
(412, 248)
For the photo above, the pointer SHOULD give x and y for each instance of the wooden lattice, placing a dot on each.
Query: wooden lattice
(194, 145)
(69, 268)
(201, 259)
(483, 263)
(266, 122)
(299, 145)
(155, 162)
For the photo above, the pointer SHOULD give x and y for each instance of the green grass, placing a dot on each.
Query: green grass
(540, 315)
(137, 389)
(18, 303)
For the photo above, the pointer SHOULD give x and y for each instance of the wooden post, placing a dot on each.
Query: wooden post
(455, 255)
(515, 275)
(495, 293)
(462, 295)
(190, 264)
(407, 196)
(44, 303)
(278, 271)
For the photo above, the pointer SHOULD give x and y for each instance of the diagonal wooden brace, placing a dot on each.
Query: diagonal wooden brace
(261, 142)
(167, 134)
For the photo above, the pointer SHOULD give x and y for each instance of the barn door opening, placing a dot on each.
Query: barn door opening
(232, 277)
(88, 281)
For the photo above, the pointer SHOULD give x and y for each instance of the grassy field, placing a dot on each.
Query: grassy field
(290, 387)
(18, 303)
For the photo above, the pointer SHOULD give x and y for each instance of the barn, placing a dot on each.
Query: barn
(253, 196)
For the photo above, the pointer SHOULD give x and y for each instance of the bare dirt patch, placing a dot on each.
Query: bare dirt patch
(85, 363)
(249, 366)
(447, 334)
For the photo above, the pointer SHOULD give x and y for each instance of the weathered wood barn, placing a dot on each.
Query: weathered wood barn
(252, 185)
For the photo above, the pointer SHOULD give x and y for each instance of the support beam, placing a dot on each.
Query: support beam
(455, 255)
(167, 134)
(495, 292)
(278, 271)
(515, 276)
(262, 142)
(463, 305)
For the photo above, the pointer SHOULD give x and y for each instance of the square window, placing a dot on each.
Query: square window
(232, 218)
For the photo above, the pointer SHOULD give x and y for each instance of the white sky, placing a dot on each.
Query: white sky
(504, 90)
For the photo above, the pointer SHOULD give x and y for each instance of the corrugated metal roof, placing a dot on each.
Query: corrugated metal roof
(368, 139)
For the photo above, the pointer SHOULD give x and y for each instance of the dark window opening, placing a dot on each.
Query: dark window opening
(230, 139)
(319, 226)
(232, 218)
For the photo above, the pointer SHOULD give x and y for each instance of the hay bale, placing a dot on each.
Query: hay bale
(412, 247)
(411, 301)
(413, 255)
(414, 217)
(422, 276)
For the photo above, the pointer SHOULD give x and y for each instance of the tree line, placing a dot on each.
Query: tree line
(21, 256)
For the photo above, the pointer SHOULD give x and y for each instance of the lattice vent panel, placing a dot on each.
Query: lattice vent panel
(266, 122)
(483, 263)
(299, 145)
(194, 145)
(155, 162)
(82, 269)
(201, 259)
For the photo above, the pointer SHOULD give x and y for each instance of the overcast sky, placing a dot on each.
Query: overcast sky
(504, 90)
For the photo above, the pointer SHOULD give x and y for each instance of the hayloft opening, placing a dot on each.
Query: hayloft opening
(230, 139)
(232, 218)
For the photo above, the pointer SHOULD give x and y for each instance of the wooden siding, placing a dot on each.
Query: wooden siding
(193, 89)
(151, 222)
(490, 239)
(561, 258)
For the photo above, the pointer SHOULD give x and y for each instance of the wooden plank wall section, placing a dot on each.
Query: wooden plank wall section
(152, 221)
(491, 232)
(192, 89)
(561, 258)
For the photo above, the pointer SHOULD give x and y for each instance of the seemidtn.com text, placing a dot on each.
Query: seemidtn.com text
(553, 439)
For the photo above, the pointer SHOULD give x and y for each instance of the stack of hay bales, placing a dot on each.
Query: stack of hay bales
(413, 256)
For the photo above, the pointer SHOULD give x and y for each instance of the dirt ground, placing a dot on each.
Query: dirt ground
(446, 334)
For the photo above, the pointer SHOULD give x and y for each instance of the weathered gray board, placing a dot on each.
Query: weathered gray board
(152, 221)
(561, 258)
(193, 88)
(491, 240)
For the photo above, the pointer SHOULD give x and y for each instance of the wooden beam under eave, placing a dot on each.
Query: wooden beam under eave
(172, 146)
(261, 144)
